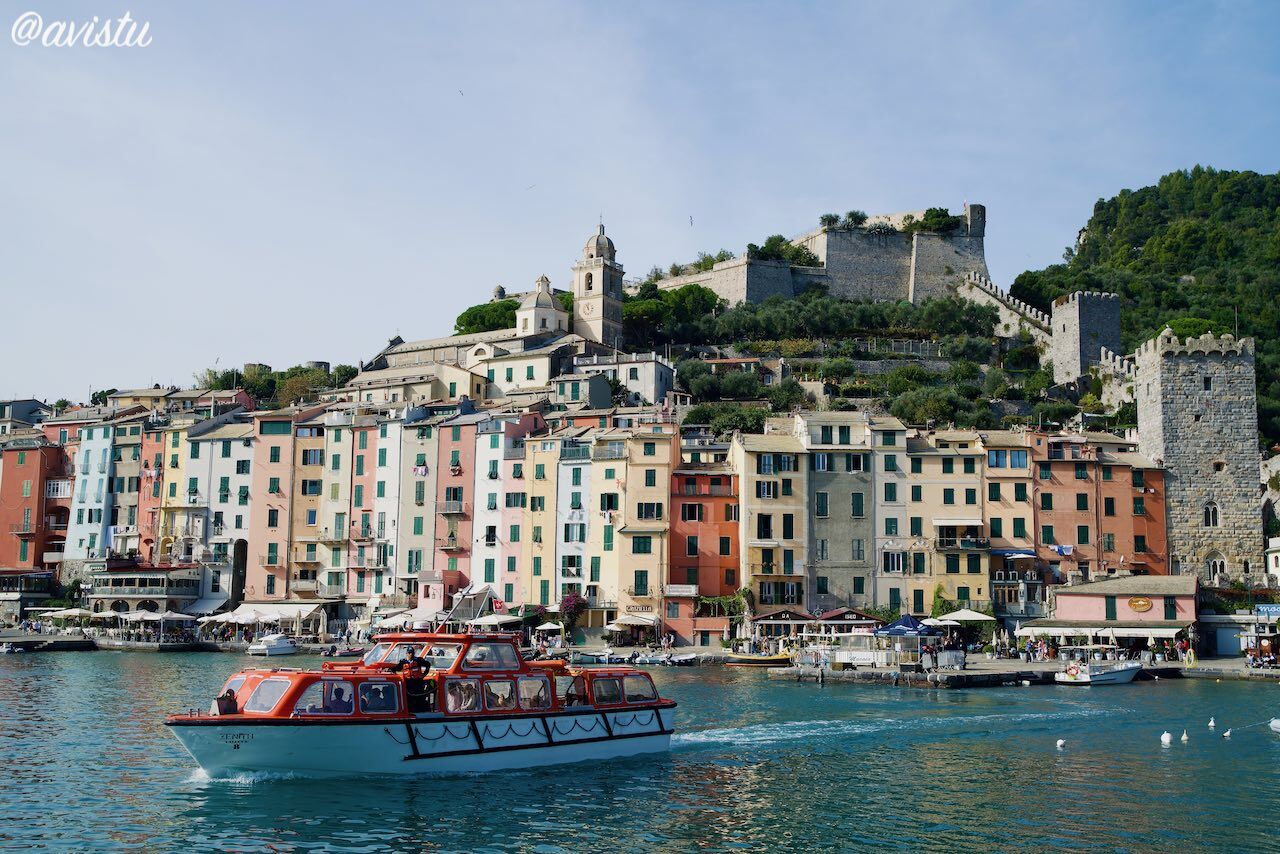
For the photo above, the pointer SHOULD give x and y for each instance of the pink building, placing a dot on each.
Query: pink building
(1133, 607)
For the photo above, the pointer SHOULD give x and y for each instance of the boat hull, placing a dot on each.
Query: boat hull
(1086, 676)
(422, 746)
(272, 651)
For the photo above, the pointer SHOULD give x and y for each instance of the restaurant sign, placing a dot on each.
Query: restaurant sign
(1272, 611)
(1140, 604)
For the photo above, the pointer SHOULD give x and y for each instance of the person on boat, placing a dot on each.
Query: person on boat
(339, 702)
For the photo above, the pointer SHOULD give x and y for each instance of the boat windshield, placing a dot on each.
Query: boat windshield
(441, 655)
(375, 655)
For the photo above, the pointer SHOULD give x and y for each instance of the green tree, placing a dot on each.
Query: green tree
(855, 218)
(740, 385)
(297, 386)
(99, 398)
(61, 405)
(829, 220)
(487, 317)
(342, 374)
(787, 395)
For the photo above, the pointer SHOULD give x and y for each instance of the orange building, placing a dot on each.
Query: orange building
(705, 554)
(1099, 508)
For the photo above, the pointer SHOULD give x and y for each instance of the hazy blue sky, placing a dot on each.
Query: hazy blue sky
(285, 181)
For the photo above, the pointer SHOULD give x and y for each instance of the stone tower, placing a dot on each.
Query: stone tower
(597, 292)
(1083, 323)
(1198, 417)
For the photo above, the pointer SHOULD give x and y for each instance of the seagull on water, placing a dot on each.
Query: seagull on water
(1166, 738)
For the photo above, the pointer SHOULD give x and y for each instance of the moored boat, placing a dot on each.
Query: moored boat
(746, 659)
(273, 645)
(426, 704)
(1098, 672)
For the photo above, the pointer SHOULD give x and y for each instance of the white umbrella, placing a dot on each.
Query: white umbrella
(964, 615)
(549, 627)
(70, 613)
(493, 620)
(614, 627)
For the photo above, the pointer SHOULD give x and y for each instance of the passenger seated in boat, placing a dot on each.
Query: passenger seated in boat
(576, 694)
(499, 695)
(461, 696)
(227, 703)
(338, 702)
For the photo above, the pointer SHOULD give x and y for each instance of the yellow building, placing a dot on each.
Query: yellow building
(947, 542)
(773, 530)
(644, 529)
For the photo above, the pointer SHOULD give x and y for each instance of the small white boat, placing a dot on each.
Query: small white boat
(1098, 672)
(273, 645)
(9, 649)
(1274, 725)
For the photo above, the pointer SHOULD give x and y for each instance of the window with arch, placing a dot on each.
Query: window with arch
(589, 284)
(1211, 515)
(1217, 565)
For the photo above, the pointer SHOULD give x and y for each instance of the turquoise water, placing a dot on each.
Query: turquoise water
(85, 764)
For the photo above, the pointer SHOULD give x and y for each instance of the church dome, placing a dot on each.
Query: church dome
(598, 246)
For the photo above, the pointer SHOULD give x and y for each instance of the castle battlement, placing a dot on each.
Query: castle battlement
(1115, 363)
(1208, 344)
(1031, 313)
(1079, 296)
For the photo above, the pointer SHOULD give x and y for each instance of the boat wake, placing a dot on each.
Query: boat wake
(200, 777)
(786, 731)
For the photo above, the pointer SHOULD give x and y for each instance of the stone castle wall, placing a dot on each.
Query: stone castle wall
(1118, 375)
(1083, 323)
(857, 264)
(1013, 314)
(1197, 416)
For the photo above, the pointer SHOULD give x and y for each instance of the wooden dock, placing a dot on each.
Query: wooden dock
(943, 679)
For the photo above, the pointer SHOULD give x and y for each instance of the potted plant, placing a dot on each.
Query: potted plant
(990, 651)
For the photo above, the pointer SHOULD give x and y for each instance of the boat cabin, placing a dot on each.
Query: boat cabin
(432, 675)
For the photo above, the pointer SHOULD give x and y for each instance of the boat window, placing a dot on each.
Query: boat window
(327, 697)
(462, 695)
(225, 703)
(575, 693)
(535, 692)
(639, 689)
(378, 698)
(400, 652)
(375, 654)
(266, 695)
(491, 656)
(233, 685)
(499, 695)
(606, 691)
(441, 655)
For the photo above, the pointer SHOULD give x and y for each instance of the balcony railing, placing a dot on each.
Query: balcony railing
(332, 591)
(641, 592)
(962, 543)
(575, 452)
(452, 508)
(714, 489)
(51, 557)
(450, 544)
(304, 585)
(610, 454)
(516, 453)
(22, 529)
(269, 560)
(362, 532)
(304, 557)
(775, 569)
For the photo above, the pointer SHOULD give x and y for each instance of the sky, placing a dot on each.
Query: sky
(290, 181)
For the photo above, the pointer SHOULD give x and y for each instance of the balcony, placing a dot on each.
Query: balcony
(711, 489)
(970, 544)
(450, 544)
(641, 592)
(430, 576)
(332, 591)
(51, 557)
(369, 562)
(575, 452)
(22, 529)
(608, 453)
(304, 585)
(775, 569)
(362, 532)
(516, 453)
(453, 508)
(269, 560)
(308, 558)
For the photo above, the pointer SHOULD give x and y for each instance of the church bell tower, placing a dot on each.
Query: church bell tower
(597, 292)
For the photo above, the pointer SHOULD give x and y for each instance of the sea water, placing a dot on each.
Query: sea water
(85, 765)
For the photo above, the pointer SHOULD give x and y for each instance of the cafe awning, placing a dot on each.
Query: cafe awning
(207, 605)
(634, 620)
(1122, 629)
(957, 523)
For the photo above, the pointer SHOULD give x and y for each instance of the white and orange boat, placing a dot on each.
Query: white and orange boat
(426, 703)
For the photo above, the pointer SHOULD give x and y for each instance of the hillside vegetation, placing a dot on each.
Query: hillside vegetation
(1199, 250)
